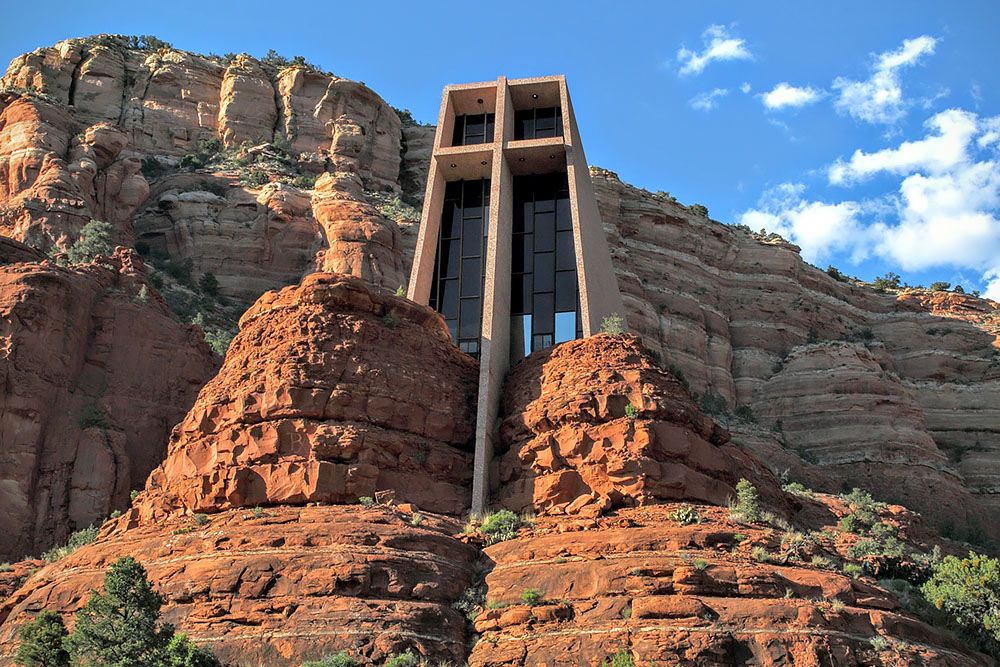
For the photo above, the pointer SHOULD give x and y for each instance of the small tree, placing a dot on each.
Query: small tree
(889, 281)
(613, 324)
(182, 652)
(747, 504)
(699, 210)
(118, 628)
(968, 590)
(43, 642)
(95, 239)
(940, 286)
(209, 284)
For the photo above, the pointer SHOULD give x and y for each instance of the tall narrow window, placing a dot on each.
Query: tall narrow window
(538, 123)
(457, 292)
(543, 262)
(473, 129)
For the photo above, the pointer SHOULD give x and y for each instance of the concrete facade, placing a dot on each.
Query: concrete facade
(501, 160)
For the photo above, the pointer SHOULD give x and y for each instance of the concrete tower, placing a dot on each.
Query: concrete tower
(511, 249)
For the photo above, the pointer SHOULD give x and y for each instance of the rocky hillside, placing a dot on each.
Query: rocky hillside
(309, 496)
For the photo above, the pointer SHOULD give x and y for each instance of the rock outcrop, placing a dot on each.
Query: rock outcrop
(742, 317)
(666, 583)
(93, 379)
(332, 391)
(593, 424)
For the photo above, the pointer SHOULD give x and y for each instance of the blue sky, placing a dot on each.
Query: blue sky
(880, 152)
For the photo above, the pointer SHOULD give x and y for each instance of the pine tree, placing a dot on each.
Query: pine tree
(43, 642)
(209, 284)
(95, 239)
(118, 628)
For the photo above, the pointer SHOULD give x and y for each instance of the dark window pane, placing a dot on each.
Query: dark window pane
(453, 190)
(469, 347)
(543, 314)
(458, 137)
(475, 126)
(468, 317)
(449, 258)
(490, 122)
(516, 294)
(449, 298)
(559, 123)
(529, 215)
(527, 282)
(524, 124)
(545, 232)
(541, 342)
(544, 271)
(566, 290)
(473, 195)
(521, 260)
(471, 277)
(452, 328)
(564, 216)
(448, 220)
(472, 237)
(565, 259)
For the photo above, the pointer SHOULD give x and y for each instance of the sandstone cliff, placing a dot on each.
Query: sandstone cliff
(93, 377)
(896, 392)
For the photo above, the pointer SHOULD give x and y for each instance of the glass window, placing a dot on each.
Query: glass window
(471, 276)
(524, 124)
(566, 290)
(544, 271)
(565, 326)
(544, 313)
(472, 237)
(564, 216)
(458, 136)
(449, 298)
(527, 335)
(521, 251)
(565, 257)
(468, 317)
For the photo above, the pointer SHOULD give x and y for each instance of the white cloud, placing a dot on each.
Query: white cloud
(953, 129)
(818, 228)
(708, 101)
(719, 45)
(943, 212)
(745, 88)
(785, 95)
(879, 99)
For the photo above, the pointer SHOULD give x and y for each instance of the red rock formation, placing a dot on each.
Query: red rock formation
(731, 309)
(571, 446)
(576, 591)
(93, 380)
(281, 586)
(330, 392)
(361, 241)
(664, 593)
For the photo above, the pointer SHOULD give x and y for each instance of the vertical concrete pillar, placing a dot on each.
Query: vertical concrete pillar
(494, 346)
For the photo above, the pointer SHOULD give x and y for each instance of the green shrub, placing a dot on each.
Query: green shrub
(391, 206)
(796, 488)
(76, 540)
(713, 403)
(366, 501)
(93, 417)
(416, 519)
(745, 413)
(746, 507)
(500, 526)
(219, 340)
(620, 659)
(968, 591)
(390, 321)
(341, 659)
(120, 627)
(532, 596)
(95, 240)
(152, 168)
(676, 371)
(699, 210)
(834, 273)
(631, 412)
(685, 515)
(472, 601)
(407, 659)
(613, 324)
(209, 284)
(699, 563)
(43, 642)
(200, 519)
(889, 281)
(853, 570)
(940, 286)
(304, 181)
